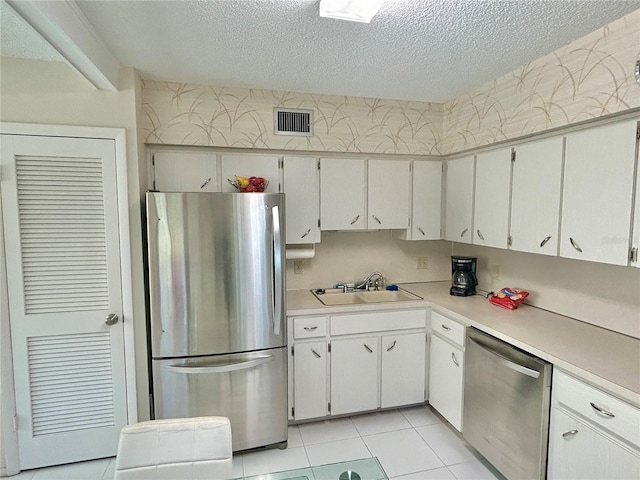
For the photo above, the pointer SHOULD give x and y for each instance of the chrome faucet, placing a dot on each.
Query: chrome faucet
(370, 282)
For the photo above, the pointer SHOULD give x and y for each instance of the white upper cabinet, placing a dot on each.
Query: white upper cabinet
(247, 165)
(389, 188)
(184, 172)
(459, 199)
(426, 202)
(342, 194)
(302, 199)
(598, 192)
(535, 198)
(492, 198)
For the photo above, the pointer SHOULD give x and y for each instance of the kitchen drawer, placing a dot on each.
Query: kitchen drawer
(309, 327)
(377, 321)
(447, 328)
(584, 400)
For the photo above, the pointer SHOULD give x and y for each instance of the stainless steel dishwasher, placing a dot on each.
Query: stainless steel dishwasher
(507, 394)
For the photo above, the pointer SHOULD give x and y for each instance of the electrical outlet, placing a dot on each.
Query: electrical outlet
(297, 267)
(495, 272)
(421, 262)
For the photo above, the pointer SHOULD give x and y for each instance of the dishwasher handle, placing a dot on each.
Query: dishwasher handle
(506, 362)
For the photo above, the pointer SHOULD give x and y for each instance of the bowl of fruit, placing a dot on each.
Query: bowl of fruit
(249, 184)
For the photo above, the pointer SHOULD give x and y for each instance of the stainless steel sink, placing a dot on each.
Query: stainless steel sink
(334, 296)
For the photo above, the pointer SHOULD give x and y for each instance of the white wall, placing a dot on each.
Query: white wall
(604, 295)
(350, 256)
(52, 93)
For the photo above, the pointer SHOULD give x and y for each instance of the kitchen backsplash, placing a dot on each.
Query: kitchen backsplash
(590, 77)
(351, 256)
(597, 293)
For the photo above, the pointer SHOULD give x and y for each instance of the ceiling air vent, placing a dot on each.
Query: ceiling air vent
(290, 121)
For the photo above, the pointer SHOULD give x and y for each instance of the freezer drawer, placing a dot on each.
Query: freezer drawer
(250, 389)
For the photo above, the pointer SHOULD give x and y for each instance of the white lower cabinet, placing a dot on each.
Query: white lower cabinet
(354, 375)
(310, 369)
(446, 376)
(402, 379)
(356, 362)
(592, 434)
(446, 368)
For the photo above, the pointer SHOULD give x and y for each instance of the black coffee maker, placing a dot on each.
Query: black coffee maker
(463, 276)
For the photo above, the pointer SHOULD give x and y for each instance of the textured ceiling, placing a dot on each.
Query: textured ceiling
(426, 50)
(19, 40)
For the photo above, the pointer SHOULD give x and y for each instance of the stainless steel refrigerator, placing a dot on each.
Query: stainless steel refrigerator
(217, 311)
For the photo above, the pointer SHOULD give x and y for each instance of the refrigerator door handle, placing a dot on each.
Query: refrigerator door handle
(232, 367)
(277, 272)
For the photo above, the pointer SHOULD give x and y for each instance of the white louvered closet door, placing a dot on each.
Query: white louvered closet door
(59, 203)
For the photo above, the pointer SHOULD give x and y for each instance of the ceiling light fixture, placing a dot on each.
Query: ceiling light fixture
(352, 10)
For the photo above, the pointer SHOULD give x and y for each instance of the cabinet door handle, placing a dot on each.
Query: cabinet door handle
(355, 219)
(367, 347)
(479, 234)
(205, 183)
(311, 329)
(392, 345)
(601, 411)
(421, 231)
(316, 353)
(376, 219)
(569, 434)
(306, 233)
(463, 232)
(454, 359)
(544, 241)
(444, 327)
(575, 245)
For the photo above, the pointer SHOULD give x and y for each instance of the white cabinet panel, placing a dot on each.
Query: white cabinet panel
(426, 202)
(446, 376)
(388, 189)
(492, 198)
(580, 452)
(598, 188)
(342, 194)
(301, 186)
(185, 172)
(535, 199)
(354, 375)
(635, 241)
(403, 373)
(460, 180)
(265, 166)
(310, 380)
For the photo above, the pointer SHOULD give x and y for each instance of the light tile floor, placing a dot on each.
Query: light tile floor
(412, 443)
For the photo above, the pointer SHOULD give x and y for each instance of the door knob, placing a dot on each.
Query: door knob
(111, 319)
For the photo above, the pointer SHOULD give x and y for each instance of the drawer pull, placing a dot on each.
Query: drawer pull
(368, 347)
(569, 434)
(392, 345)
(444, 327)
(454, 359)
(311, 329)
(315, 353)
(601, 411)
(544, 241)
(575, 245)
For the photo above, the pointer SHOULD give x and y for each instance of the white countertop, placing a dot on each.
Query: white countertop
(606, 359)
